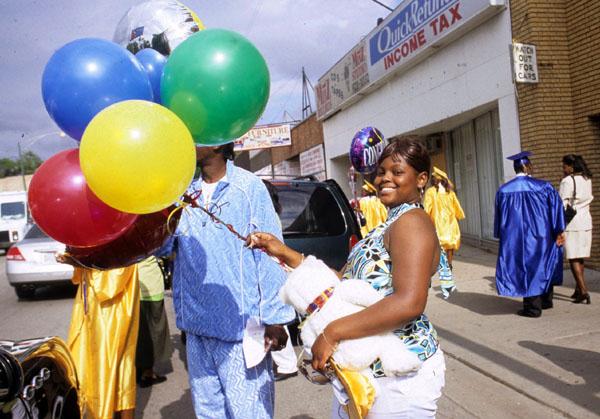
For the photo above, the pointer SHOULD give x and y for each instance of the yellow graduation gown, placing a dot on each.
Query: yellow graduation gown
(444, 209)
(103, 337)
(374, 212)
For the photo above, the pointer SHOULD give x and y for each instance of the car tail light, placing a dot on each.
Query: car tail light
(14, 254)
(353, 240)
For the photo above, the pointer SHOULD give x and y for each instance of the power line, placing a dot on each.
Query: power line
(383, 5)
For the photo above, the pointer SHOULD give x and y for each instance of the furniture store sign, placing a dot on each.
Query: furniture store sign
(411, 32)
(264, 137)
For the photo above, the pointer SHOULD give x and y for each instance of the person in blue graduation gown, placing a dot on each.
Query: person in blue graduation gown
(529, 221)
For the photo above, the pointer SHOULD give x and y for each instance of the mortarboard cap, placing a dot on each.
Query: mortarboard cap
(368, 187)
(440, 174)
(520, 159)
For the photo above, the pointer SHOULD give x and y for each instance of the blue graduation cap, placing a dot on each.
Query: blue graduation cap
(520, 159)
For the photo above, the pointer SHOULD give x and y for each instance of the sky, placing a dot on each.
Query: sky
(290, 34)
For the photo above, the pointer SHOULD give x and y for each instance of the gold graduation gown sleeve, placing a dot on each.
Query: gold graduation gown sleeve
(103, 338)
(374, 212)
(444, 209)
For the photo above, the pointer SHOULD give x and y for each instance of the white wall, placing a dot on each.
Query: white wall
(472, 72)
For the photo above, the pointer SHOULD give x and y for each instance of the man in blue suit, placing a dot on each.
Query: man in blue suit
(529, 221)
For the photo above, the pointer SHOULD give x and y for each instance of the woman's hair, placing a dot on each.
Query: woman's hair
(409, 149)
(578, 165)
(444, 183)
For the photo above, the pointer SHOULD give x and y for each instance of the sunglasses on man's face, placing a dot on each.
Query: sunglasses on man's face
(316, 377)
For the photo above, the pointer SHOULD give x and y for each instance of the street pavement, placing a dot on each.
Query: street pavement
(499, 365)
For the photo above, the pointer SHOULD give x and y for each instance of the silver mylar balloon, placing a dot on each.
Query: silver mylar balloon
(156, 24)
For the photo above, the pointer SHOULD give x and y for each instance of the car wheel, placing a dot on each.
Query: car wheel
(25, 291)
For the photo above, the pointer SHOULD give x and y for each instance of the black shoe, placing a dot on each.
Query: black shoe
(280, 376)
(576, 294)
(146, 381)
(546, 306)
(527, 313)
(585, 297)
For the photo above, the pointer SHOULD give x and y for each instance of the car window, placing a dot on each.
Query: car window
(309, 210)
(35, 233)
(12, 210)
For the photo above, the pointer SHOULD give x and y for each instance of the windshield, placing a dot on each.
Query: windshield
(12, 210)
(35, 233)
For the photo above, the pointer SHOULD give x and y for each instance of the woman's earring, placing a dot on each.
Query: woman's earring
(421, 192)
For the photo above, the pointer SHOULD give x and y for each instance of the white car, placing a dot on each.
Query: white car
(30, 263)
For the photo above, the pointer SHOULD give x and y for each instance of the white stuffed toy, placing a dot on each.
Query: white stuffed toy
(308, 283)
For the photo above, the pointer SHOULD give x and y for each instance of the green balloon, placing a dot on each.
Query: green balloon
(218, 83)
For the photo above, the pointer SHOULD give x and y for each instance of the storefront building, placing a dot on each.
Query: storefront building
(444, 71)
(304, 157)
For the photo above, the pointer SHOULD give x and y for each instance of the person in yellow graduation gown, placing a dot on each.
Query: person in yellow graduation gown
(441, 203)
(103, 337)
(372, 209)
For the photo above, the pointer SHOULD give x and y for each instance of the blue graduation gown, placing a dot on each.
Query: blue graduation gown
(529, 216)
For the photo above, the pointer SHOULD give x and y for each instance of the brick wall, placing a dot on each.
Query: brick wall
(561, 114)
(305, 135)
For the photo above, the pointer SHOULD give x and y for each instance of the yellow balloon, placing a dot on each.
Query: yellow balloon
(137, 156)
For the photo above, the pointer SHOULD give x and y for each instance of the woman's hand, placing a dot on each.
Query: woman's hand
(274, 247)
(322, 350)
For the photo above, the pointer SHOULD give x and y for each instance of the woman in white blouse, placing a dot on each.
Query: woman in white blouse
(576, 189)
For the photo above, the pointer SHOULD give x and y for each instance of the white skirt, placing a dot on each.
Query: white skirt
(578, 244)
(410, 396)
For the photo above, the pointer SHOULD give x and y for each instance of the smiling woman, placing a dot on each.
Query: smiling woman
(397, 259)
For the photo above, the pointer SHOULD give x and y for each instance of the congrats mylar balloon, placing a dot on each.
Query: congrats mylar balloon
(365, 149)
(156, 24)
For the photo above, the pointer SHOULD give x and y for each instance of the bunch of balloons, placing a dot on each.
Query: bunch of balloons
(365, 149)
(138, 119)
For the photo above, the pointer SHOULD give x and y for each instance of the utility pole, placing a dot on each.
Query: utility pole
(306, 106)
(21, 163)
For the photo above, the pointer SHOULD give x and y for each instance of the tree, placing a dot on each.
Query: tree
(31, 162)
(9, 167)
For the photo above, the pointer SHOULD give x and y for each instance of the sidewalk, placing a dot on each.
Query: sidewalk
(499, 365)
(506, 366)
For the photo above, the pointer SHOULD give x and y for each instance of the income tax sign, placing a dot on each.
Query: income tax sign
(407, 35)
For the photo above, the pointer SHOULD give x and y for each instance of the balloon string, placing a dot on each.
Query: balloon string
(84, 295)
(192, 201)
(182, 207)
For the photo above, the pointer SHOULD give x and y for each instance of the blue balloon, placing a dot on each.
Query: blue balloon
(87, 75)
(153, 63)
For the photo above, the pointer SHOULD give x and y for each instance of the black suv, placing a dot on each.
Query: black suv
(317, 219)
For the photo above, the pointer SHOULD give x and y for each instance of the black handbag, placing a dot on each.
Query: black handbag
(571, 212)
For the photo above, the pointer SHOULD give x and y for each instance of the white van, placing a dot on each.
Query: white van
(14, 217)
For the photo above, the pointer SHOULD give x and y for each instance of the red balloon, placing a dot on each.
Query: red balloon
(67, 210)
(147, 235)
